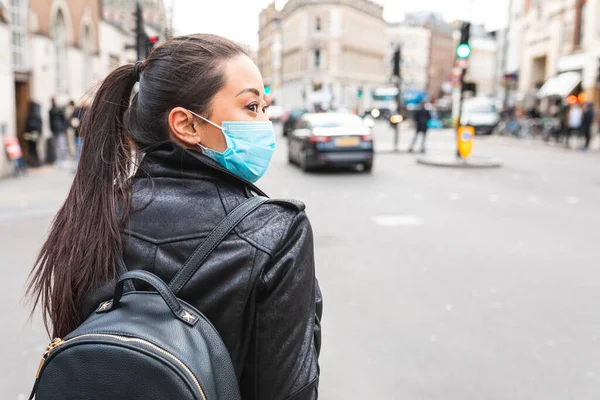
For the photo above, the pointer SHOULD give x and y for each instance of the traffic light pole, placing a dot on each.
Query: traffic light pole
(460, 106)
(398, 112)
(397, 65)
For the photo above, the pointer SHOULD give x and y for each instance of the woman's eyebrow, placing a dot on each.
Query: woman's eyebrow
(251, 90)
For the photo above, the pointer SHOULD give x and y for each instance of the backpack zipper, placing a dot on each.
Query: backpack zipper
(59, 342)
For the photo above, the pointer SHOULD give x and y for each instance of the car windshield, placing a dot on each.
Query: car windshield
(298, 113)
(333, 120)
(480, 108)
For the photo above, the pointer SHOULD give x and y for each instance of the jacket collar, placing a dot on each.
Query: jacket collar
(171, 160)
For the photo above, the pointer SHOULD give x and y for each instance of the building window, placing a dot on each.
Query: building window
(18, 17)
(317, 58)
(59, 33)
(318, 24)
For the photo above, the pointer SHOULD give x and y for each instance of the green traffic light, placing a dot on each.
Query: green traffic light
(267, 91)
(463, 51)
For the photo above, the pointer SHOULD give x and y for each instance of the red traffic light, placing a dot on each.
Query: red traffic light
(153, 39)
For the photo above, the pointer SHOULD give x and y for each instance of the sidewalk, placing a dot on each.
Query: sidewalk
(39, 193)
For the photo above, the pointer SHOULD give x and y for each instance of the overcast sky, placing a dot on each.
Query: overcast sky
(238, 19)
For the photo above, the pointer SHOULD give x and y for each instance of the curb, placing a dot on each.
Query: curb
(451, 162)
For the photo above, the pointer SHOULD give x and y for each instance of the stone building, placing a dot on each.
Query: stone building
(332, 50)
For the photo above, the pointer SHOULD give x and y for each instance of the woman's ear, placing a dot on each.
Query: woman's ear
(184, 127)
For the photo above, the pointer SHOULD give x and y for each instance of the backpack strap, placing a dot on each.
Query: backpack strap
(223, 229)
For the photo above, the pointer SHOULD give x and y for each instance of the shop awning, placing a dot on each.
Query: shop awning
(561, 85)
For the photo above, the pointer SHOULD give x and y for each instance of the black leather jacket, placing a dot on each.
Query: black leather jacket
(258, 288)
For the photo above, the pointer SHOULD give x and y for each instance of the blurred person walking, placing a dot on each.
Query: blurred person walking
(33, 132)
(586, 124)
(69, 109)
(574, 122)
(75, 123)
(199, 120)
(422, 117)
(57, 150)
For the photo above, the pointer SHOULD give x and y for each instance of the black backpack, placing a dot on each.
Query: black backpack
(145, 345)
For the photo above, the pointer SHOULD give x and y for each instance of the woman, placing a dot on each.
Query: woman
(33, 131)
(258, 288)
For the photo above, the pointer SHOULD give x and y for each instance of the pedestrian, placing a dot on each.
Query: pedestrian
(58, 126)
(422, 117)
(586, 124)
(199, 121)
(75, 122)
(70, 134)
(575, 119)
(33, 132)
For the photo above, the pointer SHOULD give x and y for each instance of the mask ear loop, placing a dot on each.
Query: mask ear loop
(206, 120)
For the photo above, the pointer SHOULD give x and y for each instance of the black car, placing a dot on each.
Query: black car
(291, 118)
(331, 140)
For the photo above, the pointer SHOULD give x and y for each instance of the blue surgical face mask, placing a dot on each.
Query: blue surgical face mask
(250, 147)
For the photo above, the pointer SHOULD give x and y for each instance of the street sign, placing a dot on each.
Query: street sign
(464, 137)
(11, 143)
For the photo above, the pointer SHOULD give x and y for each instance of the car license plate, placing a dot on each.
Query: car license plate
(347, 141)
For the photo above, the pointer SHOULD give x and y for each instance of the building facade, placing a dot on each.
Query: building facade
(269, 55)
(441, 50)
(61, 49)
(50, 49)
(328, 60)
(414, 42)
(559, 37)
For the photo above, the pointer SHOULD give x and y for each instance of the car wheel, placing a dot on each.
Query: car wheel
(290, 157)
(368, 166)
(304, 161)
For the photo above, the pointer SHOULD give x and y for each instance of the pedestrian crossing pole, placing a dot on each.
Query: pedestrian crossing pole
(463, 52)
(397, 72)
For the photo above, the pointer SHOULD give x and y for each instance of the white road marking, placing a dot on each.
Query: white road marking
(454, 196)
(418, 196)
(493, 197)
(551, 343)
(516, 176)
(433, 338)
(381, 195)
(533, 199)
(572, 200)
(449, 307)
(397, 220)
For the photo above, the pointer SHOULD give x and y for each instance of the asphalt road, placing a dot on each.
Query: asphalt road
(438, 283)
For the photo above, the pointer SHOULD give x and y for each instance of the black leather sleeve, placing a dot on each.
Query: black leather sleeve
(283, 355)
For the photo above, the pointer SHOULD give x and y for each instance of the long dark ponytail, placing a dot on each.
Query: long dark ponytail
(81, 246)
(81, 249)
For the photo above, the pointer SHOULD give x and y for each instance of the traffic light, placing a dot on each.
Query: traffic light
(463, 50)
(396, 62)
(150, 42)
(267, 91)
(359, 93)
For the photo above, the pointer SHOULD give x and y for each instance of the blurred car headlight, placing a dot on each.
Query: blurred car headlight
(375, 113)
(368, 122)
(396, 119)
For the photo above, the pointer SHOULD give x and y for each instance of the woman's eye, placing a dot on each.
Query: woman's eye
(253, 107)
(265, 109)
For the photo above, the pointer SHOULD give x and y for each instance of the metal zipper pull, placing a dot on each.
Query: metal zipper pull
(54, 344)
